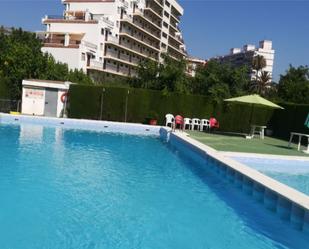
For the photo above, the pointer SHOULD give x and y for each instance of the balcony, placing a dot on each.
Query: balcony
(155, 7)
(139, 28)
(61, 40)
(174, 26)
(70, 17)
(113, 39)
(144, 44)
(175, 14)
(148, 29)
(177, 50)
(128, 47)
(109, 23)
(158, 3)
(176, 39)
(148, 19)
(125, 4)
(96, 64)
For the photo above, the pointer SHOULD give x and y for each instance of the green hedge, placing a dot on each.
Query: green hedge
(291, 119)
(86, 101)
(4, 93)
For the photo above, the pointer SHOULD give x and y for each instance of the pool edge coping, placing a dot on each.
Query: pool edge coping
(260, 155)
(281, 189)
(85, 124)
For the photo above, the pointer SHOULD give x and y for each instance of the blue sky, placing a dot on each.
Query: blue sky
(210, 27)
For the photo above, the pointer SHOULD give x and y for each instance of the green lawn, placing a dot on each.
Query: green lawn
(240, 144)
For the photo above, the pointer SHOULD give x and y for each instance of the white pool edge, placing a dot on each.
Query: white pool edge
(268, 156)
(279, 193)
(94, 125)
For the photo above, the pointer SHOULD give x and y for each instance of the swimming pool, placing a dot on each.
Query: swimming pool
(66, 188)
(294, 173)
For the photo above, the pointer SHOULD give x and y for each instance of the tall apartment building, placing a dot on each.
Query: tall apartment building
(113, 36)
(244, 56)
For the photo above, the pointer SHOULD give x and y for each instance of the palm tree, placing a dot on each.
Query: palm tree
(258, 63)
(263, 83)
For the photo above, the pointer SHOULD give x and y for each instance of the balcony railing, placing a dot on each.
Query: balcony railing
(103, 18)
(151, 6)
(111, 38)
(96, 64)
(54, 17)
(125, 3)
(86, 17)
(148, 19)
(59, 42)
(89, 45)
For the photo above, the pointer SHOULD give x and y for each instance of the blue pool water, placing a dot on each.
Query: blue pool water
(80, 189)
(294, 173)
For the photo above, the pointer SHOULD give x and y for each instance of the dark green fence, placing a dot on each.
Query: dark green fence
(291, 119)
(136, 105)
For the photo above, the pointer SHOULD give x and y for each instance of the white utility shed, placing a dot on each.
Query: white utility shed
(44, 97)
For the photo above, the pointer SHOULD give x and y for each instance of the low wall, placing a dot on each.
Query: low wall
(287, 203)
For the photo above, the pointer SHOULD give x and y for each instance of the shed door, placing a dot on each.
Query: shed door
(51, 101)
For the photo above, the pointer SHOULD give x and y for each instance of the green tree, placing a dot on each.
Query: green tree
(21, 58)
(147, 76)
(169, 76)
(294, 85)
(263, 84)
(258, 63)
(172, 75)
(220, 81)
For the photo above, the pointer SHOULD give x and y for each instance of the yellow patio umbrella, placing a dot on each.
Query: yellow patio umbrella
(254, 100)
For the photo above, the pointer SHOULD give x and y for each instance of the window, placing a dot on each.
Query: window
(165, 24)
(167, 4)
(164, 35)
(166, 14)
(102, 31)
(83, 56)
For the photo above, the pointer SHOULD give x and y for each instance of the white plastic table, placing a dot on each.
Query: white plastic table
(258, 128)
(300, 135)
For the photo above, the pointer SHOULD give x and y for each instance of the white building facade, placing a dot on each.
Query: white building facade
(44, 97)
(244, 56)
(113, 36)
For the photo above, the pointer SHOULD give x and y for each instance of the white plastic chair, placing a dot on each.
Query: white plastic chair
(169, 119)
(204, 124)
(195, 123)
(187, 123)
